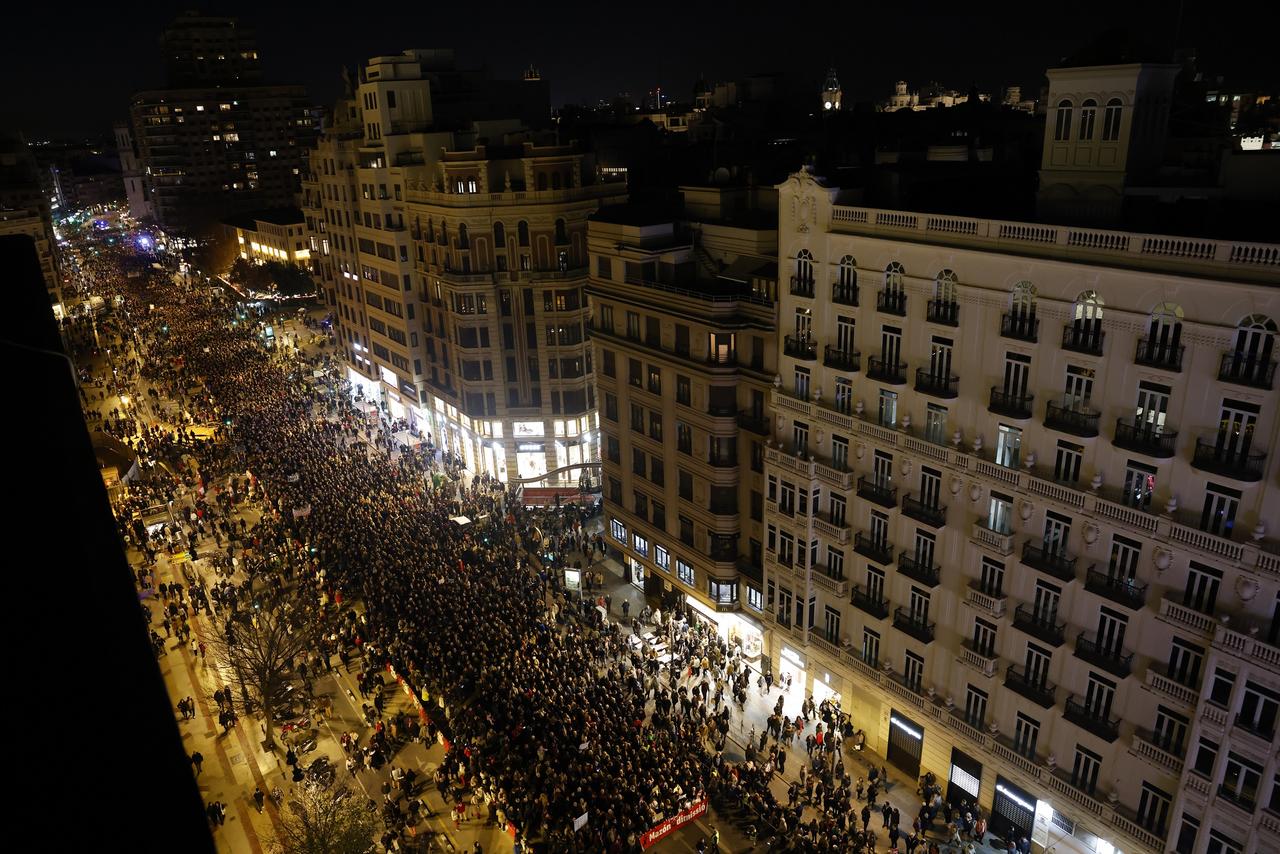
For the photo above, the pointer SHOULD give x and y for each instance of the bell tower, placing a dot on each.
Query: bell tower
(831, 92)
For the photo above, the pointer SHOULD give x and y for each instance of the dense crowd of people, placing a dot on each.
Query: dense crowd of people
(551, 709)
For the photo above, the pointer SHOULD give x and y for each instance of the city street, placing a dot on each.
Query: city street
(236, 763)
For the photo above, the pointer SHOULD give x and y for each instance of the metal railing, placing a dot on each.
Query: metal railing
(1114, 661)
(800, 348)
(863, 601)
(880, 493)
(1058, 563)
(1009, 403)
(1155, 354)
(1124, 591)
(1072, 416)
(1243, 369)
(1082, 716)
(1081, 339)
(925, 573)
(878, 550)
(938, 385)
(1020, 327)
(843, 360)
(801, 287)
(943, 311)
(914, 624)
(1218, 454)
(1145, 439)
(1039, 624)
(885, 371)
(930, 514)
(1040, 691)
(844, 294)
(892, 302)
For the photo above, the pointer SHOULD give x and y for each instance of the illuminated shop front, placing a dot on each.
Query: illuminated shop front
(735, 628)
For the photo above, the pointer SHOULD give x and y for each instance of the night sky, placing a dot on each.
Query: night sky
(73, 68)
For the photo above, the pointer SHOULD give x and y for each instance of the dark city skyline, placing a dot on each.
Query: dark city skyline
(588, 53)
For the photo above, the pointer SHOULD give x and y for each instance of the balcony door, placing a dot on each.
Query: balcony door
(1235, 429)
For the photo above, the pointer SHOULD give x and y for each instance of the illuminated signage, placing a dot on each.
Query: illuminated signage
(527, 428)
(898, 722)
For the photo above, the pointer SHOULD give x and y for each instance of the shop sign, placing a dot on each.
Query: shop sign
(527, 428)
(901, 724)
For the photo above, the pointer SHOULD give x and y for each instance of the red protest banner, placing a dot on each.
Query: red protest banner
(677, 821)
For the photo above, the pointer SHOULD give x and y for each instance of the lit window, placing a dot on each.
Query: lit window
(199, 108)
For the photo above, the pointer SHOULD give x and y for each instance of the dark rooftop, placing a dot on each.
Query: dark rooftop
(275, 216)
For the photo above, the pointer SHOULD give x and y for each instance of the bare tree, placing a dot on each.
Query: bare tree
(259, 648)
(319, 820)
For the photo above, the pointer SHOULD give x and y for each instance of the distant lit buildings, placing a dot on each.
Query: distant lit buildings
(932, 95)
(215, 142)
(273, 235)
(25, 209)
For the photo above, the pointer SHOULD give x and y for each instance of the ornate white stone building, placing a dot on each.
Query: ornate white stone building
(1021, 499)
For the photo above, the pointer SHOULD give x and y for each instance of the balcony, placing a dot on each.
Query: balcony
(946, 312)
(1245, 801)
(880, 493)
(822, 578)
(892, 302)
(1019, 327)
(978, 596)
(881, 551)
(1228, 456)
(924, 573)
(1072, 416)
(842, 360)
(823, 524)
(1256, 729)
(998, 541)
(885, 371)
(1039, 624)
(915, 624)
(801, 348)
(930, 514)
(1149, 746)
(1060, 564)
(1145, 439)
(723, 461)
(756, 423)
(985, 661)
(1114, 661)
(844, 294)
(1154, 354)
(1243, 369)
(1123, 591)
(1038, 690)
(937, 385)
(1010, 403)
(801, 287)
(861, 600)
(1081, 339)
(1107, 729)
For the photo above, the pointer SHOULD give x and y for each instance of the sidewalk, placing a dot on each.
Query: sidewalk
(901, 792)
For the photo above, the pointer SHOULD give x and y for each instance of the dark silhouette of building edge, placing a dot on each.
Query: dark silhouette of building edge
(101, 759)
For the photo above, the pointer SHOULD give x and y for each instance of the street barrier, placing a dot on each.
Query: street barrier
(664, 828)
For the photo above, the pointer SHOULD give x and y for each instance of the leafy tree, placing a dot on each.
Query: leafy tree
(318, 821)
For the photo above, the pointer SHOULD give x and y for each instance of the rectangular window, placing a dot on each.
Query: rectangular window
(1206, 757)
(662, 558)
(640, 544)
(1066, 468)
(684, 391)
(1000, 513)
(755, 599)
(1240, 780)
(1025, 735)
(618, 531)
(1084, 771)
(975, 707)
(1187, 832)
(684, 571)
(1153, 808)
(684, 438)
(1009, 446)
(682, 340)
(633, 326)
(1185, 660)
(1202, 588)
(912, 670)
(686, 485)
(844, 395)
(887, 415)
(1219, 513)
(802, 383)
(935, 424)
(992, 581)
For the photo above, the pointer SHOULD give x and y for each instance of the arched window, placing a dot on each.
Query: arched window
(562, 234)
(1062, 121)
(893, 299)
(499, 235)
(1088, 113)
(1251, 362)
(1021, 321)
(944, 308)
(523, 232)
(1085, 331)
(1162, 347)
(804, 266)
(1111, 121)
(463, 240)
(845, 289)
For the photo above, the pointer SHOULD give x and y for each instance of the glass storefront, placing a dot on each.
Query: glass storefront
(736, 629)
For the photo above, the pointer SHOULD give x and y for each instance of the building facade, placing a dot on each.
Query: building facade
(1020, 497)
(274, 235)
(209, 153)
(683, 310)
(454, 255)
